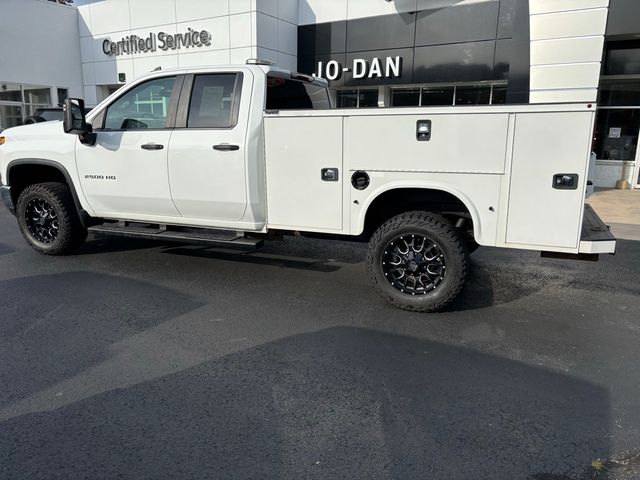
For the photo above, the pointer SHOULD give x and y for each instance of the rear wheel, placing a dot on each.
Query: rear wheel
(417, 261)
(48, 219)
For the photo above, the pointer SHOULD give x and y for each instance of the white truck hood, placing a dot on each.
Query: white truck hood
(38, 141)
(35, 129)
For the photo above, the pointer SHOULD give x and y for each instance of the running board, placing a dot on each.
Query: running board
(200, 236)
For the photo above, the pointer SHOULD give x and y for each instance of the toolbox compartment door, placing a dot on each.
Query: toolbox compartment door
(304, 173)
(548, 179)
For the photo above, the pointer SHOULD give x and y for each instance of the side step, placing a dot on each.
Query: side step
(200, 236)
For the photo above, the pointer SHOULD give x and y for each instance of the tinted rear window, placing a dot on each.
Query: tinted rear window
(213, 100)
(285, 94)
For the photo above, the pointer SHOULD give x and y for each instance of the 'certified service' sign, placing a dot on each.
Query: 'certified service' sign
(153, 42)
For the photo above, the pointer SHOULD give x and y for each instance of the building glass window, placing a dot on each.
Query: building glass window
(63, 93)
(10, 92)
(36, 97)
(405, 97)
(619, 93)
(10, 116)
(357, 98)
(622, 58)
(499, 95)
(368, 99)
(618, 120)
(347, 98)
(473, 95)
(434, 96)
(616, 134)
(437, 96)
(20, 101)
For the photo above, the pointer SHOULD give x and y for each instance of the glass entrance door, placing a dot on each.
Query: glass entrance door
(617, 133)
(617, 129)
(636, 175)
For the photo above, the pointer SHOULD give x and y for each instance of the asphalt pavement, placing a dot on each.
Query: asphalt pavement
(134, 359)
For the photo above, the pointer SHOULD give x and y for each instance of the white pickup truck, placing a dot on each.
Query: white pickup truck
(236, 154)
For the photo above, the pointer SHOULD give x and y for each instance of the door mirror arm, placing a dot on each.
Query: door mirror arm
(89, 137)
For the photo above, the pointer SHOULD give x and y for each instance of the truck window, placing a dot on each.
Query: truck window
(285, 94)
(214, 101)
(144, 106)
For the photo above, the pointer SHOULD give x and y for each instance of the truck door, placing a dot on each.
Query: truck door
(207, 152)
(125, 173)
(548, 178)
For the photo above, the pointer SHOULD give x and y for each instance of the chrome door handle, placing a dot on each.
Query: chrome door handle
(152, 146)
(225, 147)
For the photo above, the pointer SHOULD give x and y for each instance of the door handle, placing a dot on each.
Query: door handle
(225, 147)
(565, 181)
(329, 174)
(152, 146)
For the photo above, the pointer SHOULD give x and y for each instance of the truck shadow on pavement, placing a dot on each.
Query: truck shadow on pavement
(96, 245)
(337, 403)
(255, 258)
(487, 284)
(490, 284)
(292, 252)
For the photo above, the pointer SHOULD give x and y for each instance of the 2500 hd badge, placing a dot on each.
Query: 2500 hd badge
(100, 177)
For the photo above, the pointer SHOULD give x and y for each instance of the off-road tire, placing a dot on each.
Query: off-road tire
(453, 248)
(71, 234)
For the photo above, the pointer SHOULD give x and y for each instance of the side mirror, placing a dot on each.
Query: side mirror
(74, 119)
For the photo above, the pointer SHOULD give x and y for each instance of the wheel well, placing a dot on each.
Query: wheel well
(23, 175)
(32, 171)
(394, 202)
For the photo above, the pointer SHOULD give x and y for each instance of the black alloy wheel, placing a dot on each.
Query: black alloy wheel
(413, 264)
(42, 220)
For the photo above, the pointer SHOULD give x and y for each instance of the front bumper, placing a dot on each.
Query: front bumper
(5, 193)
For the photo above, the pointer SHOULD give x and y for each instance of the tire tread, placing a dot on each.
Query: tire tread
(70, 238)
(448, 233)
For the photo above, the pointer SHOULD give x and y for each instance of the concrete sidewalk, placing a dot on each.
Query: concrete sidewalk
(620, 209)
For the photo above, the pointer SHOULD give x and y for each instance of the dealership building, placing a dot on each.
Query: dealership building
(375, 54)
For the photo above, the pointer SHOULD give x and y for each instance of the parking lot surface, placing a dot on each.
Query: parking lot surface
(142, 360)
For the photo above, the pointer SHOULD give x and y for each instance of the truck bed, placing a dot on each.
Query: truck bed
(520, 170)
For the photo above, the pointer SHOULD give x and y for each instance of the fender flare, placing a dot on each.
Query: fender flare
(82, 213)
(424, 185)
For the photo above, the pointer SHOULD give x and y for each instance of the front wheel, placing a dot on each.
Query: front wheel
(417, 261)
(48, 219)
